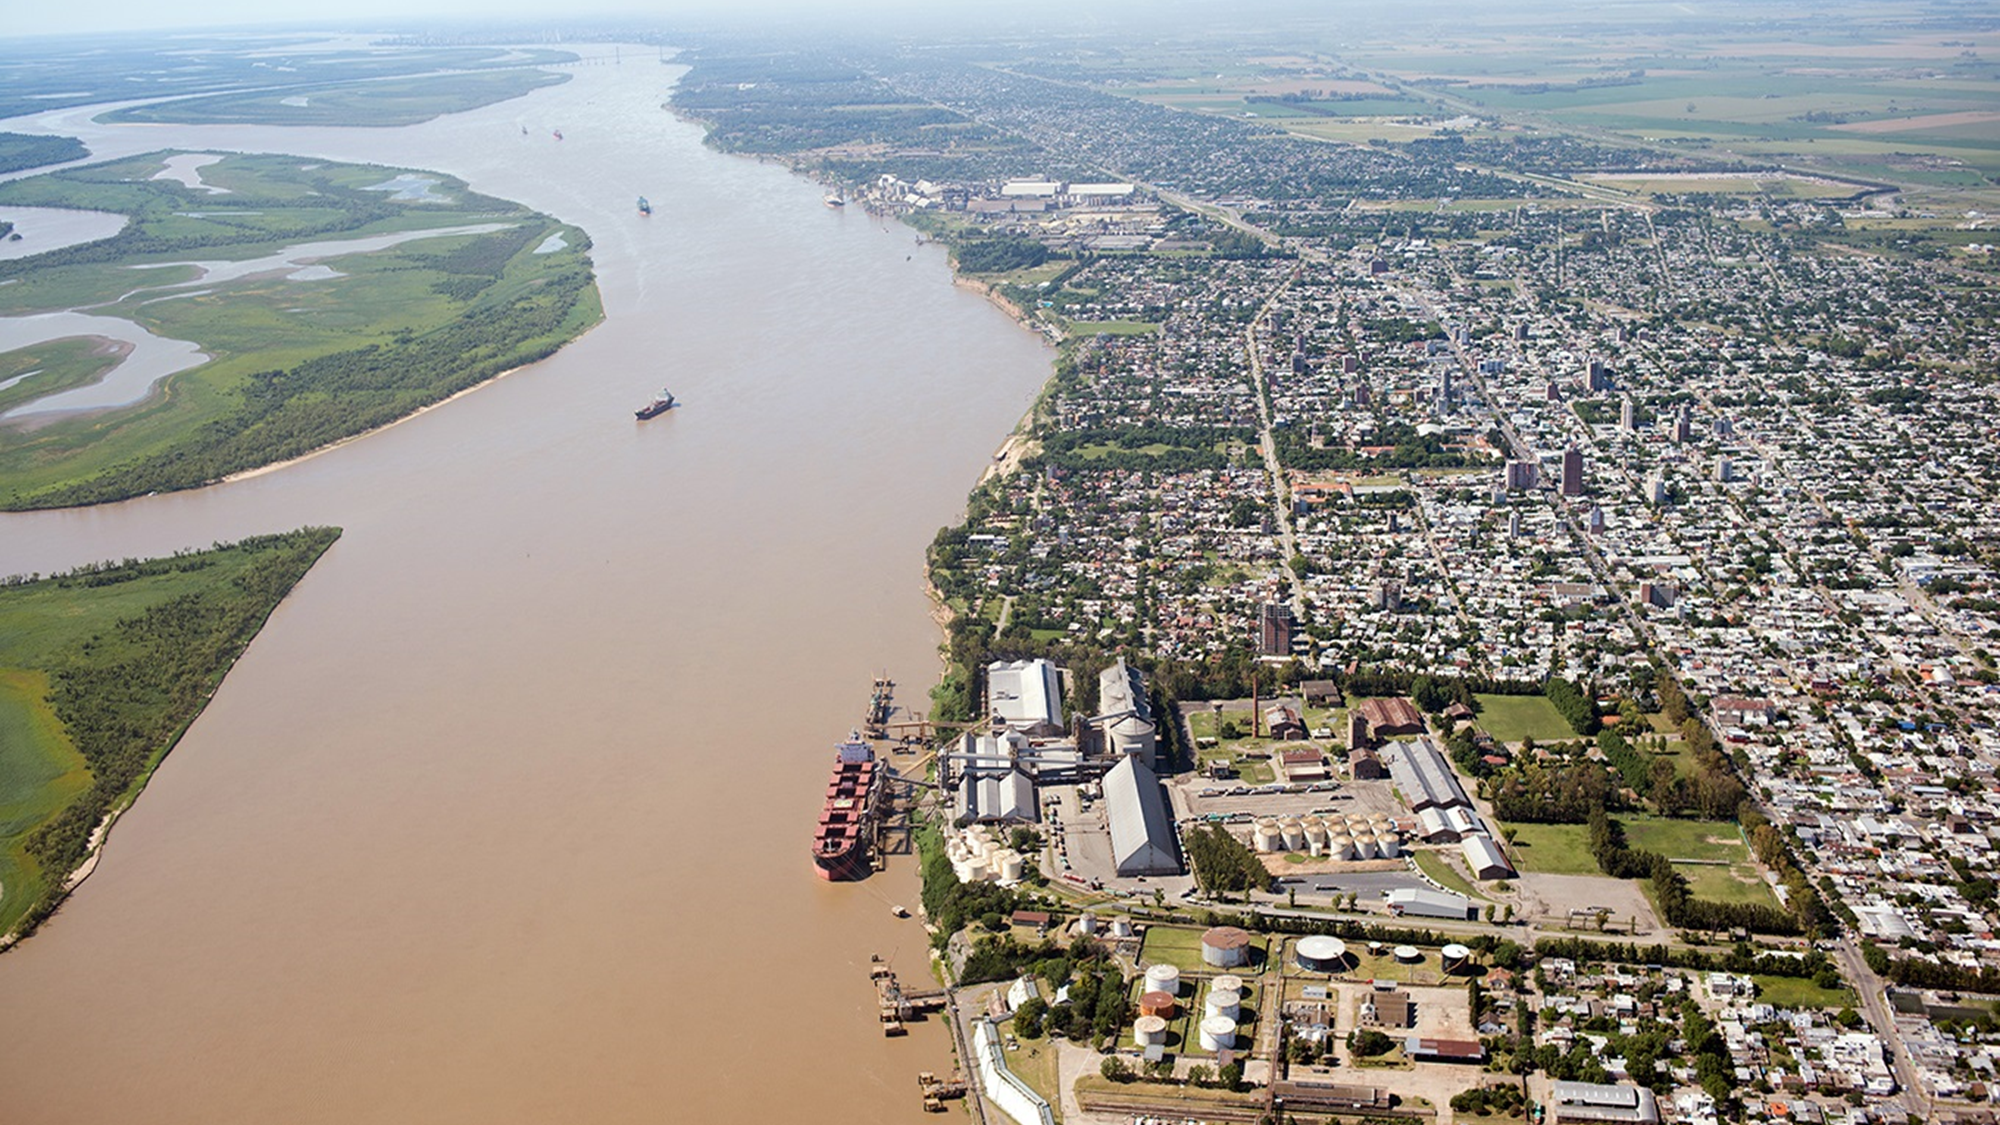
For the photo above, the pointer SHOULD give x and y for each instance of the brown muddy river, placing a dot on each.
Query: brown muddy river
(504, 816)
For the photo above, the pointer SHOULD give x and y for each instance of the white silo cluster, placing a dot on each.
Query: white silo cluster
(978, 857)
(1353, 836)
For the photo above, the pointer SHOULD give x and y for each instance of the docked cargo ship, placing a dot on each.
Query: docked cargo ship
(847, 821)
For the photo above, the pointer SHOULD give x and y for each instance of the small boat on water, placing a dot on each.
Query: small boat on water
(558, 134)
(645, 208)
(835, 201)
(657, 407)
(899, 912)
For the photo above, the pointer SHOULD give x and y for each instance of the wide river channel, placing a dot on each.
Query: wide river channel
(504, 817)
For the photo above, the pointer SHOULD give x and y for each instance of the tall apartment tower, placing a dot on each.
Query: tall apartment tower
(1572, 478)
(1274, 630)
(1683, 425)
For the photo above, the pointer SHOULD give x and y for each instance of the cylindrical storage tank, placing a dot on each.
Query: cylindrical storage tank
(1218, 1033)
(1221, 1003)
(1380, 821)
(1295, 834)
(1010, 867)
(1225, 947)
(1164, 978)
(1156, 1004)
(1389, 845)
(1121, 927)
(1149, 1031)
(1366, 848)
(1227, 982)
(1455, 957)
(1321, 954)
(1374, 949)
(1086, 924)
(1267, 839)
(1408, 954)
(1340, 847)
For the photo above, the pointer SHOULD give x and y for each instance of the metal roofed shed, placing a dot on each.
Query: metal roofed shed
(1142, 834)
(1423, 902)
(1026, 694)
(989, 797)
(1483, 856)
(1127, 712)
(1592, 1101)
(1424, 777)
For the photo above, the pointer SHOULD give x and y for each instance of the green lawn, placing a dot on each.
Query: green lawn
(1510, 718)
(1439, 869)
(1736, 883)
(1553, 849)
(1035, 1064)
(1794, 992)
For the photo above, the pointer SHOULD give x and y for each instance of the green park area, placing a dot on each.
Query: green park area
(101, 671)
(1511, 718)
(382, 102)
(1553, 849)
(324, 337)
(1181, 947)
(1800, 992)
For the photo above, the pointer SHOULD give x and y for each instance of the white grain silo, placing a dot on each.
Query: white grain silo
(1164, 978)
(1149, 1031)
(1220, 1002)
(1227, 982)
(1295, 834)
(1218, 1033)
(1390, 844)
(1010, 867)
(1266, 837)
(1340, 847)
(1366, 848)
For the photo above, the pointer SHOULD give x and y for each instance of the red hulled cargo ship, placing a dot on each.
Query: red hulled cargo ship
(847, 821)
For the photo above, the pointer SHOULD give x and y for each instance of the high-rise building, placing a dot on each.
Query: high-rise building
(1523, 475)
(1274, 630)
(1683, 425)
(1656, 489)
(1572, 477)
(1628, 416)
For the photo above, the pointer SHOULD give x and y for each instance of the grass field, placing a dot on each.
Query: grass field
(1181, 947)
(87, 628)
(294, 363)
(1553, 849)
(1711, 840)
(388, 102)
(1510, 718)
(1444, 874)
(1792, 992)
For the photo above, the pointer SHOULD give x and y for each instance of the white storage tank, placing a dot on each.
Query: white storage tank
(1222, 1003)
(1010, 867)
(1149, 1031)
(1390, 846)
(1227, 982)
(1086, 924)
(1321, 954)
(1218, 1033)
(1164, 978)
(1295, 834)
(1340, 847)
(1365, 847)
(1225, 947)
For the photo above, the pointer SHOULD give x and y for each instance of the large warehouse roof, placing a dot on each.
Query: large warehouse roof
(996, 796)
(1591, 1101)
(1142, 834)
(1424, 777)
(1026, 693)
(1429, 903)
(1483, 856)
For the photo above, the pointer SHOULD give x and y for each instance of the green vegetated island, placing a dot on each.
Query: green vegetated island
(374, 102)
(311, 347)
(101, 672)
(22, 150)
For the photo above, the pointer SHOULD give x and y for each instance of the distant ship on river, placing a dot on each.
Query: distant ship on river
(657, 407)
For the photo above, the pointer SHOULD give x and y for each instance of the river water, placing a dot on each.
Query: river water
(504, 816)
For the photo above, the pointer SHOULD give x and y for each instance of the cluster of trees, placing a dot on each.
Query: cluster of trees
(1575, 704)
(1495, 1100)
(1565, 792)
(124, 697)
(1743, 957)
(1222, 863)
(24, 150)
(1130, 448)
(949, 903)
(1408, 449)
(1712, 1065)
(999, 254)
